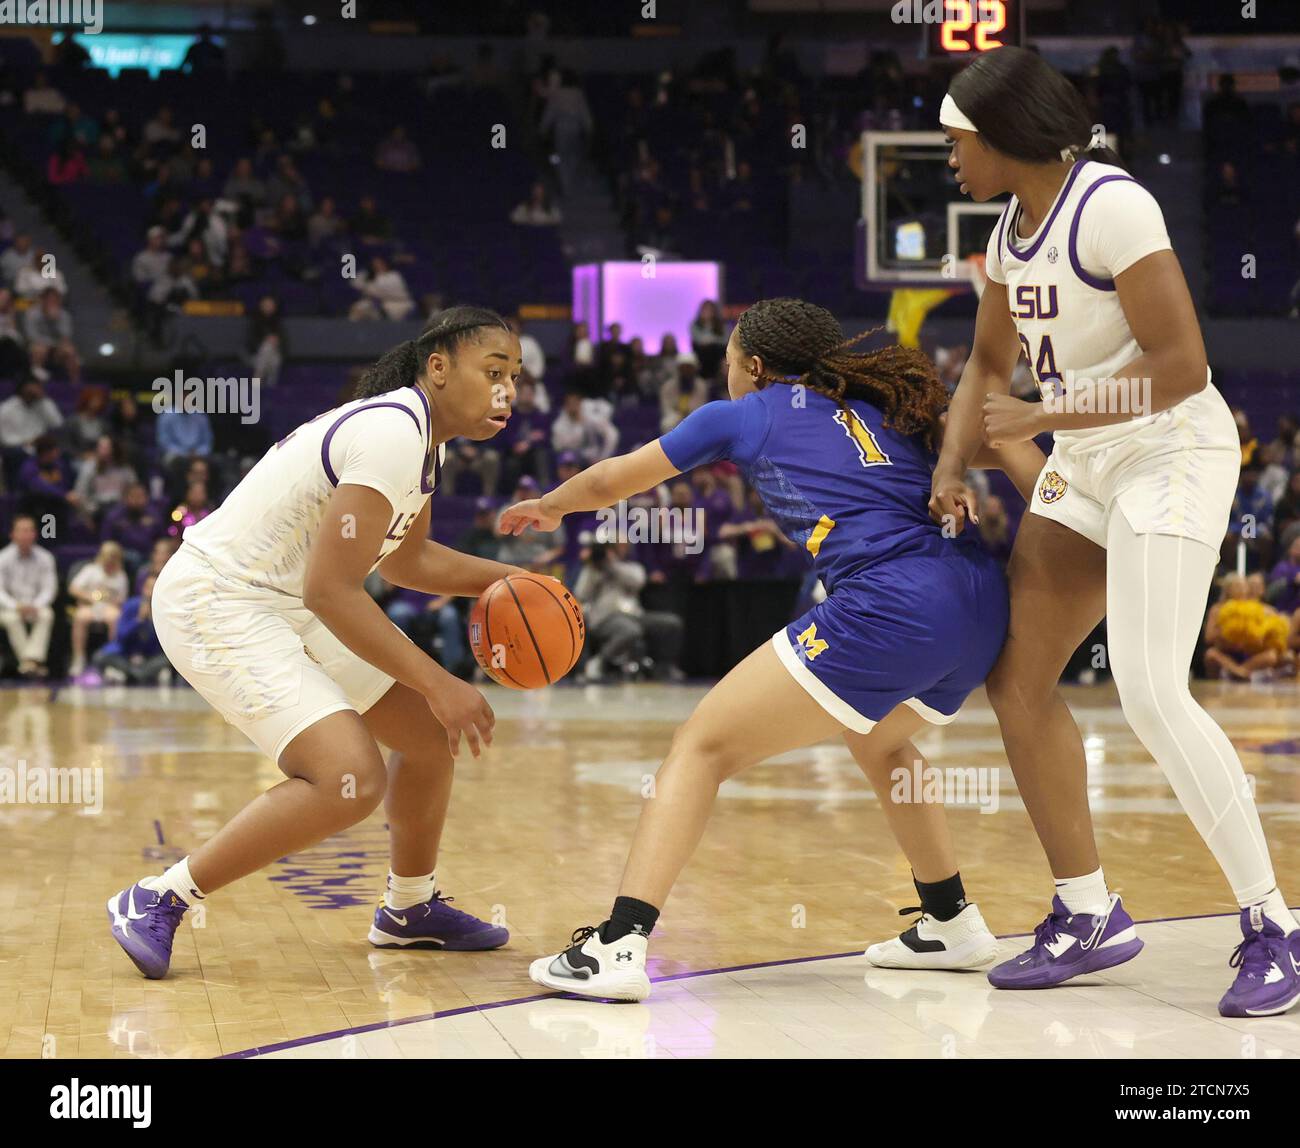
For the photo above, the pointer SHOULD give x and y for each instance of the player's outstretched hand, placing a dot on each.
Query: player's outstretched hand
(952, 502)
(461, 708)
(516, 519)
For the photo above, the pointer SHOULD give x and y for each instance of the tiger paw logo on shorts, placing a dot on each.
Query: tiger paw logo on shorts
(1054, 486)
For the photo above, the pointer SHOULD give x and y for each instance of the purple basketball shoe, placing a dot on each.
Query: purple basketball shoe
(434, 924)
(1268, 964)
(1068, 946)
(144, 922)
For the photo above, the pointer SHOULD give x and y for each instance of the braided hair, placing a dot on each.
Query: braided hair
(803, 344)
(444, 332)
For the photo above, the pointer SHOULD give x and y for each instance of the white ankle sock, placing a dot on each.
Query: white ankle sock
(177, 880)
(1275, 909)
(1086, 894)
(403, 892)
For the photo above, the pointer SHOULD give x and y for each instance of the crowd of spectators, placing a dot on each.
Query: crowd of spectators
(225, 216)
(1252, 631)
(36, 328)
(108, 478)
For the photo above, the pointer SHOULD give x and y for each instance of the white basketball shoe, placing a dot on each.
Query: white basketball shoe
(964, 942)
(592, 968)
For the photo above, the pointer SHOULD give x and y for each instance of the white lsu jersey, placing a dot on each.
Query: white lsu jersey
(1061, 291)
(262, 533)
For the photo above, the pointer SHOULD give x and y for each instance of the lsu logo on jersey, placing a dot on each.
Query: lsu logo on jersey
(400, 527)
(1031, 303)
(810, 645)
(1053, 487)
(869, 452)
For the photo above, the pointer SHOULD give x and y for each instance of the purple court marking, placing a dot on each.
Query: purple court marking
(1289, 745)
(249, 1053)
(298, 1042)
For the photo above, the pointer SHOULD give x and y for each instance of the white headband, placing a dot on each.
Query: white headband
(951, 116)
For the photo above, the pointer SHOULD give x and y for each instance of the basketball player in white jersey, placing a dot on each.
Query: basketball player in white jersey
(264, 612)
(1126, 518)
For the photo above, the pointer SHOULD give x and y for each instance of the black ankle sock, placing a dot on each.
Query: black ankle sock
(629, 916)
(943, 900)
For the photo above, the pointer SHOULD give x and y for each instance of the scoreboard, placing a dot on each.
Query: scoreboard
(964, 28)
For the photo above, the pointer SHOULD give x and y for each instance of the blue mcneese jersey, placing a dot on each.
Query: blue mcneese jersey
(838, 482)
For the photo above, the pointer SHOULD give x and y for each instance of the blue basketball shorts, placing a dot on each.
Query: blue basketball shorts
(921, 631)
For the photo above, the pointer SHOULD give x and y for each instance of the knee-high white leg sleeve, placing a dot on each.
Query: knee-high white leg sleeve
(1156, 587)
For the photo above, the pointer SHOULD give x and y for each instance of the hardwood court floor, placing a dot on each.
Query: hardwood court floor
(797, 863)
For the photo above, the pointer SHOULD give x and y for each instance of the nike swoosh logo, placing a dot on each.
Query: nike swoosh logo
(131, 914)
(1294, 964)
(1098, 929)
(399, 920)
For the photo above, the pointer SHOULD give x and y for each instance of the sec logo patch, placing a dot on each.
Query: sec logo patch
(1053, 487)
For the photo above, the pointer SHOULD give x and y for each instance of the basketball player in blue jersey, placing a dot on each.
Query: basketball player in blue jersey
(1127, 516)
(839, 446)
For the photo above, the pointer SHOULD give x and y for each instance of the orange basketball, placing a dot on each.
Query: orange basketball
(526, 631)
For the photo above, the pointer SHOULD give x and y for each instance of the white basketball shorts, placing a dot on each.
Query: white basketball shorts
(262, 660)
(1174, 475)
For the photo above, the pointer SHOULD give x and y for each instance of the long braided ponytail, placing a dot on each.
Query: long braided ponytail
(803, 344)
(445, 332)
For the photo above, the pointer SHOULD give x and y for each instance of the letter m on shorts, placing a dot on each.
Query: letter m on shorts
(811, 643)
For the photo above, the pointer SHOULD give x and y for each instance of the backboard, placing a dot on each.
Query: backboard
(918, 228)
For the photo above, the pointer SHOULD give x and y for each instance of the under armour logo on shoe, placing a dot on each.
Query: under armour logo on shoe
(625, 955)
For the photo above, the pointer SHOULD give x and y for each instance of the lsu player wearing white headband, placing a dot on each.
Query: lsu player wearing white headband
(1127, 515)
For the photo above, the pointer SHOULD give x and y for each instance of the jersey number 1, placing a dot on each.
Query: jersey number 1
(869, 452)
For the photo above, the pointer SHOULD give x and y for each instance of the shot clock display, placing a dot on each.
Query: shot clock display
(966, 27)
